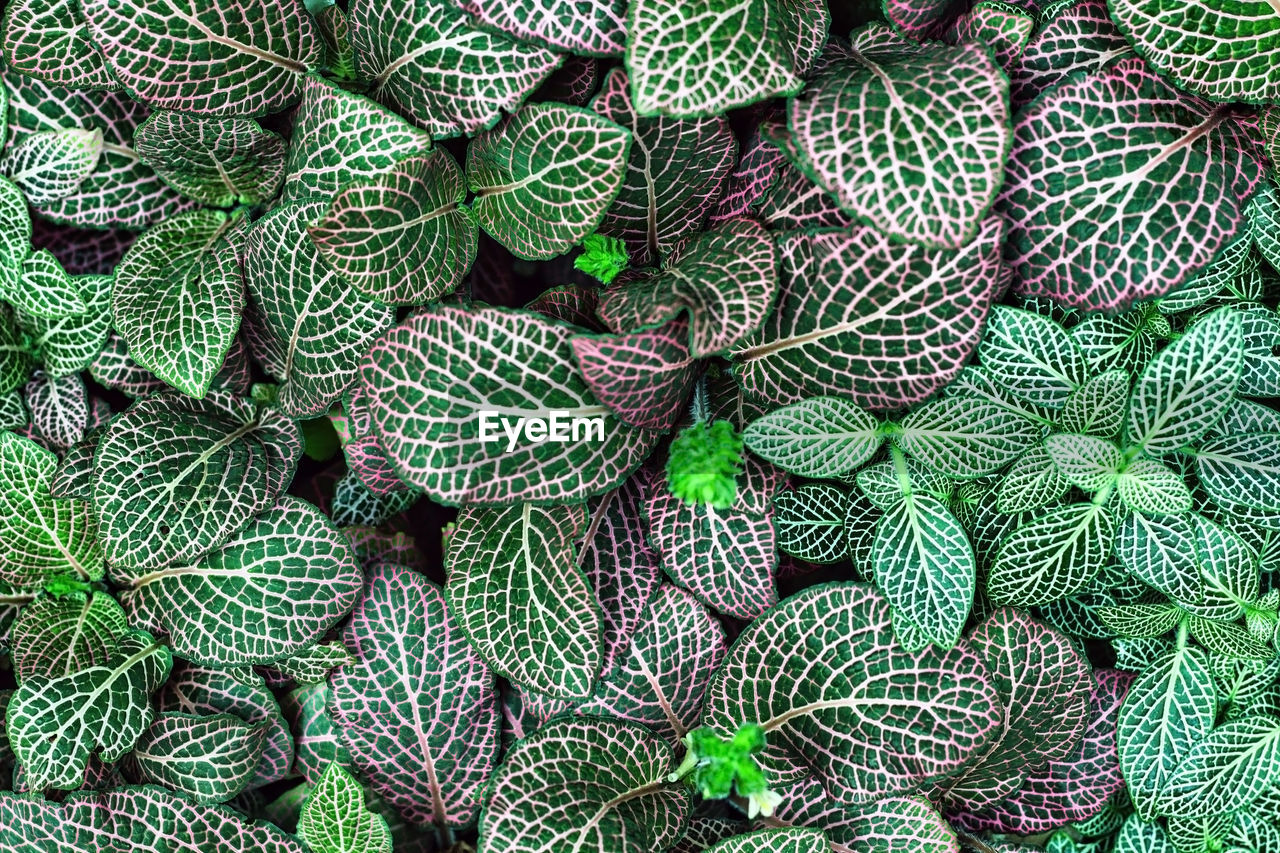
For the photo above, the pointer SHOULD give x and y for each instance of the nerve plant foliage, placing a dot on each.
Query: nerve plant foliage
(855, 425)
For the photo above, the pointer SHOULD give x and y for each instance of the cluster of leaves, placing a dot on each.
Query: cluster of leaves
(931, 497)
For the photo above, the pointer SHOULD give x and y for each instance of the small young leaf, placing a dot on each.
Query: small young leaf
(1098, 406)
(335, 818)
(1033, 481)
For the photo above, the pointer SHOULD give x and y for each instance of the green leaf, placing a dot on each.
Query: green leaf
(1052, 556)
(1142, 835)
(1141, 620)
(216, 161)
(335, 818)
(1032, 357)
(70, 344)
(1149, 486)
(1098, 406)
(1186, 388)
(279, 584)
(521, 599)
(57, 636)
(15, 235)
(1261, 338)
(178, 295)
(157, 505)
(44, 536)
(56, 724)
(965, 437)
(402, 237)
(208, 758)
(1230, 640)
(821, 437)
(884, 484)
(1242, 469)
(1235, 261)
(1167, 710)
(1031, 482)
(1225, 771)
(544, 177)
(809, 522)
(925, 566)
(1264, 221)
(45, 290)
(591, 783)
(313, 662)
(52, 164)
(59, 410)
(560, 25)
(706, 57)
(789, 840)
(161, 50)
(603, 258)
(48, 39)
(1089, 463)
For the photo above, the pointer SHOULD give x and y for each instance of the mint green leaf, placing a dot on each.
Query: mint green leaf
(1031, 482)
(309, 327)
(825, 437)
(45, 290)
(279, 584)
(1098, 406)
(1230, 640)
(48, 39)
(706, 57)
(1242, 469)
(884, 485)
(216, 161)
(1235, 261)
(44, 536)
(157, 505)
(52, 164)
(1052, 556)
(15, 235)
(965, 437)
(1149, 486)
(208, 758)
(178, 295)
(1032, 357)
(588, 783)
(70, 344)
(1088, 462)
(544, 177)
(1186, 388)
(59, 410)
(56, 723)
(1225, 771)
(1261, 337)
(335, 818)
(402, 237)
(1142, 835)
(521, 599)
(426, 61)
(161, 50)
(55, 637)
(1264, 220)
(1141, 620)
(789, 840)
(809, 522)
(1167, 710)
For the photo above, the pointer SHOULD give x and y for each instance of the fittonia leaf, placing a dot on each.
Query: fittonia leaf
(549, 793)
(45, 290)
(261, 50)
(857, 315)
(559, 25)
(1224, 771)
(335, 818)
(690, 60)
(55, 637)
(313, 662)
(178, 295)
(1003, 27)
(59, 410)
(544, 178)
(403, 237)
(280, 583)
(48, 39)
(643, 377)
(847, 703)
(885, 825)
(45, 536)
(430, 408)
(1223, 50)
(1032, 357)
(1264, 221)
(418, 709)
(216, 161)
(1241, 469)
(1077, 36)
(208, 758)
(964, 437)
(1130, 152)
(15, 244)
(52, 164)
(867, 120)
(56, 723)
(156, 502)
(791, 840)
(818, 437)
(69, 344)
(809, 523)
(1054, 555)
(428, 62)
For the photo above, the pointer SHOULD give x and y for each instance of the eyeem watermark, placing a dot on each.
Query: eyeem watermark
(558, 426)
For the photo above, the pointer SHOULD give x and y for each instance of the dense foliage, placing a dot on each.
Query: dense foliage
(640, 426)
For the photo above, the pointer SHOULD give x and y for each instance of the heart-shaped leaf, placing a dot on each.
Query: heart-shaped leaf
(822, 437)
(157, 505)
(426, 61)
(402, 237)
(442, 423)
(542, 630)
(56, 723)
(335, 818)
(1128, 152)
(965, 437)
(674, 173)
(886, 325)
(160, 50)
(216, 161)
(418, 710)
(178, 295)
(643, 377)
(544, 177)
(54, 637)
(309, 327)
(849, 703)
(585, 783)
(279, 583)
(52, 164)
(1052, 556)
(209, 759)
(47, 39)
(560, 25)
(892, 82)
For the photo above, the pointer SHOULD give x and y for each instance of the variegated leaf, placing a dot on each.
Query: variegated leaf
(1224, 771)
(1032, 357)
(1054, 555)
(1088, 462)
(826, 437)
(790, 840)
(1264, 222)
(208, 758)
(426, 61)
(402, 237)
(1231, 641)
(48, 39)
(44, 289)
(908, 824)
(313, 662)
(59, 410)
(965, 437)
(1077, 36)
(418, 709)
(1128, 152)
(1098, 407)
(70, 344)
(335, 818)
(1141, 620)
(162, 50)
(1033, 481)
(809, 522)
(1151, 487)
(277, 585)
(544, 178)
(214, 160)
(859, 316)
(1242, 469)
(597, 29)
(1261, 345)
(315, 735)
(1004, 27)
(15, 235)
(55, 637)
(644, 377)
(52, 164)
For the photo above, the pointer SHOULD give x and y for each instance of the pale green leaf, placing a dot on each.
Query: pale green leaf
(1149, 486)
(1098, 406)
(965, 437)
(1225, 771)
(1032, 357)
(1053, 556)
(1088, 462)
(335, 818)
(1032, 481)
(52, 164)
(819, 437)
